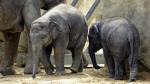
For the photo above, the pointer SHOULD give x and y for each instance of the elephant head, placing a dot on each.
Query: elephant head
(94, 37)
(42, 33)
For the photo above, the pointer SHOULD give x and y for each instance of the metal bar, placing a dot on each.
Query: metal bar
(90, 12)
(74, 2)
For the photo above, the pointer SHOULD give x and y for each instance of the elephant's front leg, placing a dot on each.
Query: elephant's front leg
(85, 62)
(11, 45)
(77, 65)
(31, 11)
(49, 68)
(59, 52)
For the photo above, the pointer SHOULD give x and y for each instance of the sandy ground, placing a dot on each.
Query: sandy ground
(88, 76)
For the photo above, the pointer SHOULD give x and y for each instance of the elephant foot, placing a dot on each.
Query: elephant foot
(80, 68)
(20, 60)
(132, 80)
(118, 77)
(74, 70)
(28, 70)
(97, 67)
(85, 64)
(132, 77)
(111, 75)
(49, 70)
(7, 71)
(59, 73)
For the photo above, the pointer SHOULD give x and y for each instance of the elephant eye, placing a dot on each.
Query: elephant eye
(34, 30)
(40, 28)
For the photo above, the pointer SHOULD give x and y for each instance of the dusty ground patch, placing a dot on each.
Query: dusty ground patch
(89, 76)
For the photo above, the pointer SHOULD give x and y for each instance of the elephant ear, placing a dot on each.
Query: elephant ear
(54, 29)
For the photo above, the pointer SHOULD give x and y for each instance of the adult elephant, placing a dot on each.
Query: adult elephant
(63, 27)
(119, 39)
(13, 15)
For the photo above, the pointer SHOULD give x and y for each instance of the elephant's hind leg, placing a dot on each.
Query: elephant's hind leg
(75, 56)
(77, 65)
(85, 61)
(11, 45)
(119, 67)
(109, 60)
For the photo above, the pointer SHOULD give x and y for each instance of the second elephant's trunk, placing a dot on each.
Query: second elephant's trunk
(37, 53)
(93, 58)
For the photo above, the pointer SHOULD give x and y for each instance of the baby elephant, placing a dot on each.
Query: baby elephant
(62, 27)
(119, 39)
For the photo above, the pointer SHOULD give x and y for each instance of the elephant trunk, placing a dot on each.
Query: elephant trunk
(37, 53)
(93, 59)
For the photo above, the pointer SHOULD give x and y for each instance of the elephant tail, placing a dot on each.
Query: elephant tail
(134, 42)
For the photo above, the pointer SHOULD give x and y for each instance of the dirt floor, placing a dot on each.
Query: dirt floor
(88, 76)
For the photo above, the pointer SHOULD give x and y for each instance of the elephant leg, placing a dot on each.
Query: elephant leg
(124, 68)
(49, 68)
(133, 70)
(31, 11)
(119, 70)
(85, 62)
(59, 53)
(11, 46)
(133, 61)
(77, 65)
(109, 61)
(111, 66)
(80, 69)
(29, 58)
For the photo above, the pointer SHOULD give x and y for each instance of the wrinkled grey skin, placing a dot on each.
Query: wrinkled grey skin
(119, 40)
(14, 14)
(63, 27)
(46, 5)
